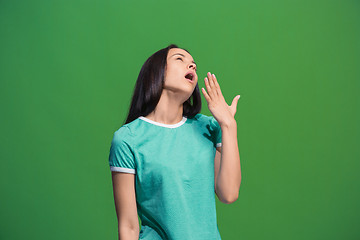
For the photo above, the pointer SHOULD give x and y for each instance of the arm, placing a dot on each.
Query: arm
(227, 165)
(125, 204)
(228, 179)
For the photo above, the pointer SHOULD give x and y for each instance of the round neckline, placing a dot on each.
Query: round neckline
(183, 120)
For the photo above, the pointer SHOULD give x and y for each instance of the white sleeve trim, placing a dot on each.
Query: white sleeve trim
(218, 145)
(121, 169)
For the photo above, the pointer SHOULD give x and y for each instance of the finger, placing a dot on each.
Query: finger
(217, 86)
(207, 98)
(208, 87)
(211, 83)
(234, 104)
(235, 101)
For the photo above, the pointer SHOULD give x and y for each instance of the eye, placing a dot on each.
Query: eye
(181, 60)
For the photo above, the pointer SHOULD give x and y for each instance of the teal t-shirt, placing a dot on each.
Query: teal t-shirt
(174, 175)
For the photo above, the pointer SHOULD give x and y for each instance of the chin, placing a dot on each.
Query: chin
(189, 93)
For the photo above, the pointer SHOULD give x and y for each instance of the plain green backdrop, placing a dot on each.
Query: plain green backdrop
(68, 69)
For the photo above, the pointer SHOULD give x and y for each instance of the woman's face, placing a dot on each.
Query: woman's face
(179, 64)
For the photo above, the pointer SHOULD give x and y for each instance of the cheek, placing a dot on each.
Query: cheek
(174, 73)
(170, 77)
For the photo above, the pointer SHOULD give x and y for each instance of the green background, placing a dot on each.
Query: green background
(68, 69)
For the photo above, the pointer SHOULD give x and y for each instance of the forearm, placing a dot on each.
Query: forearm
(126, 233)
(229, 176)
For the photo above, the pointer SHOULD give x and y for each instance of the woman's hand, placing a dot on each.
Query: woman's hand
(223, 113)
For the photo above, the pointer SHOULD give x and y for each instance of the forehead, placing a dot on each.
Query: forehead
(178, 51)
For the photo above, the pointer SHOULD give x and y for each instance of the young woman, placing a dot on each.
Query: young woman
(168, 161)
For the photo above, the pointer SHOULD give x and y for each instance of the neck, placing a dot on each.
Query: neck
(169, 109)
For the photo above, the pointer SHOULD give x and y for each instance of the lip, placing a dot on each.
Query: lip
(191, 81)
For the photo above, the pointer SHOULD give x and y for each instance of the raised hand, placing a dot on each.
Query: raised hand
(222, 112)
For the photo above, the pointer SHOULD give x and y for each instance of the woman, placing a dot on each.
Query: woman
(168, 160)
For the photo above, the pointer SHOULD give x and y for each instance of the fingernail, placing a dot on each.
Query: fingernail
(213, 75)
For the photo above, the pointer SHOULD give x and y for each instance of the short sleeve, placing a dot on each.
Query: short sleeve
(121, 156)
(216, 132)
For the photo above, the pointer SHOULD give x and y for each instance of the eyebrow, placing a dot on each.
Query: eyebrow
(182, 55)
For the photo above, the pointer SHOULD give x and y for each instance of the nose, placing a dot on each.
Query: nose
(191, 65)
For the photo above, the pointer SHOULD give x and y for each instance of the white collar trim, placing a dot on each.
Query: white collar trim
(183, 120)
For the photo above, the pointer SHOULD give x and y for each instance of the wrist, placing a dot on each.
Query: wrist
(231, 123)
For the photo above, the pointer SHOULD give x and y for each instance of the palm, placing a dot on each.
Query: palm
(216, 101)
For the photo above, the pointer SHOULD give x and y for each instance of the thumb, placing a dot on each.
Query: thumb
(234, 103)
(235, 100)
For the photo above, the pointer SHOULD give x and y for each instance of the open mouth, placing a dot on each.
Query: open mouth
(189, 76)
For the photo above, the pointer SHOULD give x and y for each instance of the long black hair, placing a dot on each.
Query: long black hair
(149, 86)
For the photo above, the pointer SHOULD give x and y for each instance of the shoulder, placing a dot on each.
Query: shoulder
(128, 130)
(123, 134)
(205, 119)
(202, 118)
(206, 122)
